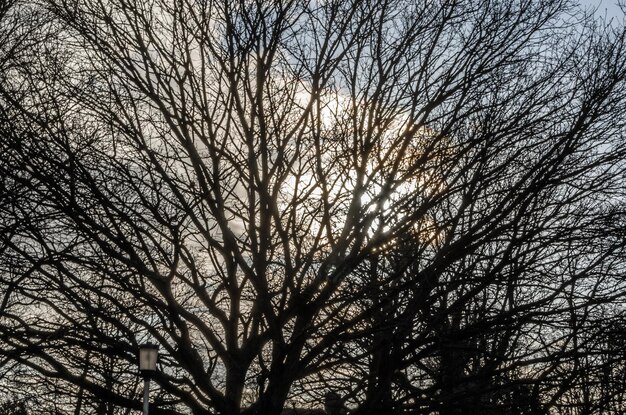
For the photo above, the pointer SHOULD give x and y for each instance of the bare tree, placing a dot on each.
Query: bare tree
(416, 204)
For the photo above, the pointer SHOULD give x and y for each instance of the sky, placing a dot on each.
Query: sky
(604, 7)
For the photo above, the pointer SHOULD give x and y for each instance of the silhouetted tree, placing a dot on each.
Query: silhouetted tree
(416, 205)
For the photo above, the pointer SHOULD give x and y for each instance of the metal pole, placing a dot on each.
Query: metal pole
(146, 394)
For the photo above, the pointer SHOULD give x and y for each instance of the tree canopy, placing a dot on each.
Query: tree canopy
(415, 206)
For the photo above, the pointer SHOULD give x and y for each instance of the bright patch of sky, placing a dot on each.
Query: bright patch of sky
(608, 9)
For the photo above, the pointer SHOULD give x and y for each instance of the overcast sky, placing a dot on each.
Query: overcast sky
(605, 7)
